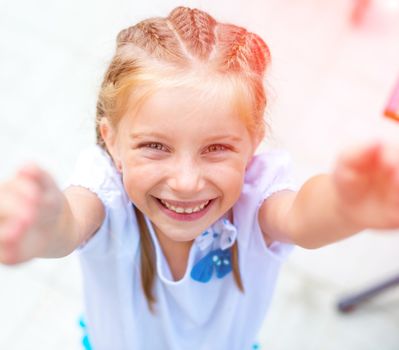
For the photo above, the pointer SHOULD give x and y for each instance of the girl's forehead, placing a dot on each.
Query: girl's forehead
(208, 101)
(188, 111)
(187, 99)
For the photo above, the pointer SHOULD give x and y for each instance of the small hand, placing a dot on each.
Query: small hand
(30, 207)
(367, 182)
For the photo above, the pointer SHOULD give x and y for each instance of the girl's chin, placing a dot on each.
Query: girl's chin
(177, 234)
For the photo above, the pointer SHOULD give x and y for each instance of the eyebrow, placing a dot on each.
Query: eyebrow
(213, 138)
(227, 137)
(146, 135)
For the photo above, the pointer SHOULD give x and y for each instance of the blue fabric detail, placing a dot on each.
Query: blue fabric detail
(85, 338)
(218, 259)
(86, 343)
(224, 267)
(203, 269)
(82, 323)
(221, 234)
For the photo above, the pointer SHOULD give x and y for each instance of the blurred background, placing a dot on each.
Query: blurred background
(335, 64)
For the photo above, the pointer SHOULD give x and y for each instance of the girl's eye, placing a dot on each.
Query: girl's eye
(155, 146)
(215, 148)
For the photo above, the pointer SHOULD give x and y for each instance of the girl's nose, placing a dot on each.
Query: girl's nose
(186, 177)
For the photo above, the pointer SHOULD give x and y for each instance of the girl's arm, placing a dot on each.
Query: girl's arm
(362, 192)
(38, 220)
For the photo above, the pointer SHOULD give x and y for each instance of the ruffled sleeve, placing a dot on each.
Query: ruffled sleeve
(95, 171)
(267, 173)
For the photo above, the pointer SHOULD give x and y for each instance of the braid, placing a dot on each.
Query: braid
(237, 49)
(241, 50)
(234, 40)
(260, 56)
(155, 38)
(196, 30)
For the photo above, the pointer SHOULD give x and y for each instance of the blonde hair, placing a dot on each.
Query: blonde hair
(181, 50)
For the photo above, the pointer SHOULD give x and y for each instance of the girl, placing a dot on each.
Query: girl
(180, 228)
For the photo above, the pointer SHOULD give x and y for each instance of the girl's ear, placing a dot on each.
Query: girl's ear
(108, 134)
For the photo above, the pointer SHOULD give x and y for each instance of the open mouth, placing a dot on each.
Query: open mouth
(185, 211)
(184, 208)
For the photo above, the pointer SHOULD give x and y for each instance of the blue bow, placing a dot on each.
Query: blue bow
(222, 231)
(218, 259)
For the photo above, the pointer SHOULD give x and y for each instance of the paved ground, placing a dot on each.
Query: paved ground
(328, 85)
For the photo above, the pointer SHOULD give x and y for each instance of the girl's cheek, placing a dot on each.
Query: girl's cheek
(138, 178)
(232, 171)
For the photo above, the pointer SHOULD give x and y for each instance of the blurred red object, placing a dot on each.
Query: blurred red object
(359, 10)
(364, 11)
(392, 108)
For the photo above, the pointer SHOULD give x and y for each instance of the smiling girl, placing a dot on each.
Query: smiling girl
(180, 228)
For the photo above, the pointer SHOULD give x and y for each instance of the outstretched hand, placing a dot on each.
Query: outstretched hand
(367, 182)
(30, 207)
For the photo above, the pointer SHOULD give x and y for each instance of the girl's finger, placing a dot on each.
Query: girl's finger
(34, 173)
(394, 188)
(9, 205)
(16, 215)
(390, 158)
(26, 190)
(362, 157)
(16, 225)
(350, 184)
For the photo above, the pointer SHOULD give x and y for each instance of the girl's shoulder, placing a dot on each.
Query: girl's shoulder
(95, 170)
(267, 173)
(270, 171)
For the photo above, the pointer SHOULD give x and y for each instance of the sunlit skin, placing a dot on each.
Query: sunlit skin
(181, 150)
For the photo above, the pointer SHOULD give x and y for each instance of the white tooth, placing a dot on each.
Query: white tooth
(182, 210)
(202, 206)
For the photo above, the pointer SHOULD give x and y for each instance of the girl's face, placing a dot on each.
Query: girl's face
(183, 160)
